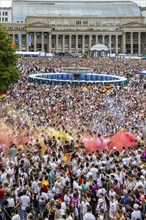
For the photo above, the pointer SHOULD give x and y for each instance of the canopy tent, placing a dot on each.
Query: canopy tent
(100, 50)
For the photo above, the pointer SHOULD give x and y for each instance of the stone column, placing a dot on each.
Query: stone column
(116, 44)
(63, 43)
(27, 43)
(42, 42)
(76, 43)
(110, 43)
(124, 43)
(50, 43)
(90, 38)
(56, 42)
(131, 42)
(139, 42)
(70, 43)
(96, 40)
(83, 44)
(103, 39)
(35, 41)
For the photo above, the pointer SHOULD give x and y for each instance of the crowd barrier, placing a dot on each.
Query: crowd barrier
(84, 79)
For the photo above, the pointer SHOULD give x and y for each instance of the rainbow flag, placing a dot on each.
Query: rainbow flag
(3, 94)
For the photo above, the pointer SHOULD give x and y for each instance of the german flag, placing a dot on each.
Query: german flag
(3, 94)
(109, 86)
(103, 92)
(86, 88)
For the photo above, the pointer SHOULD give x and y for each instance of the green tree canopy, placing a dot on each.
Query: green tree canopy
(8, 59)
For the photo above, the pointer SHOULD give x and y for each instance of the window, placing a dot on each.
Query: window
(128, 36)
(6, 13)
(85, 23)
(78, 23)
(98, 23)
(135, 36)
(6, 19)
(2, 19)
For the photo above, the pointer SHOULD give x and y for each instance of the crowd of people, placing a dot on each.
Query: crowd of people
(47, 173)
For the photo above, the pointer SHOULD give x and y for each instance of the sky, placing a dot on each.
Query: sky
(7, 3)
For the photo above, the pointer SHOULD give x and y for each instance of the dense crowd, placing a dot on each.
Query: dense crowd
(46, 172)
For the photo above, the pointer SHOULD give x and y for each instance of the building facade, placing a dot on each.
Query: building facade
(5, 14)
(64, 26)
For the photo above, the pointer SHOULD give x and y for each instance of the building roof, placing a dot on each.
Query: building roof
(5, 8)
(99, 47)
(24, 8)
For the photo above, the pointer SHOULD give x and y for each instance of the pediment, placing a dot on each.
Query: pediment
(133, 25)
(38, 25)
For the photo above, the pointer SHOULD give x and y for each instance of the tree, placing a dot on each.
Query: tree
(8, 59)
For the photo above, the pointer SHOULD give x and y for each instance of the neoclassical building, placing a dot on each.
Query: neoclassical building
(74, 27)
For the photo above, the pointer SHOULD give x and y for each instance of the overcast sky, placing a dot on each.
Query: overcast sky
(7, 3)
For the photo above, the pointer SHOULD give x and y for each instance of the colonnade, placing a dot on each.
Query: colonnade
(70, 42)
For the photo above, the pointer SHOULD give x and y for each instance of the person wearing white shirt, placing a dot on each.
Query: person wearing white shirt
(136, 214)
(89, 174)
(14, 215)
(67, 197)
(138, 158)
(24, 202)
(3, 176)
(139, 183)
(10, 200)
(83, 207)
(112, 192)
(75, 184)
(58, 185)
(112, 207)
(89, 215)
(94, 170)
(68, 215)
(53, 165)
(45, 157)
(101, 191)
(126, 161)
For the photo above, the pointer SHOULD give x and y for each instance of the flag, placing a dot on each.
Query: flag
(67, 157)
(29, 40)
(58, 105)
(108, 91)
(109, 86)
(68, 173)
(86, 88)
(105, 92)
(58, 200)
(19, 39)
(46, 185)
(3, 94)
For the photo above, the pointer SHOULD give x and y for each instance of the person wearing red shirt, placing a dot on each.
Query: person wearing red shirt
(1, 195)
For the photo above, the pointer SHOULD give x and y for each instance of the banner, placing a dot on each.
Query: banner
(19, 39)
(29, 40)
